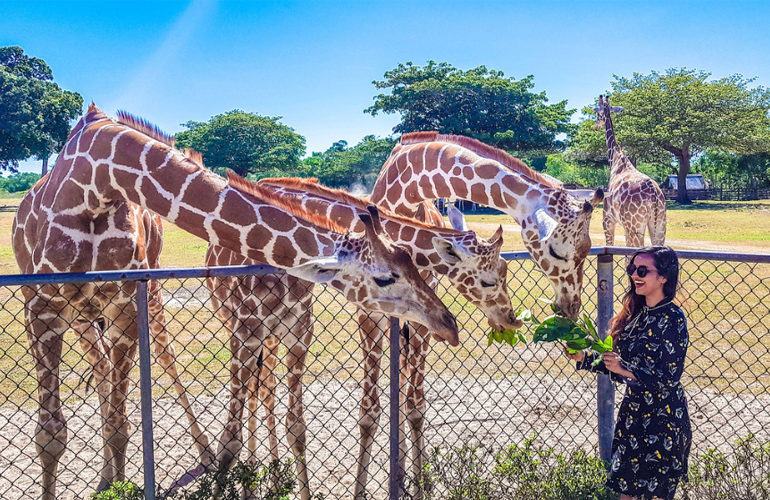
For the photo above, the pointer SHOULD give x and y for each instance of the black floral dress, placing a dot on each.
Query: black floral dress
(652, 436)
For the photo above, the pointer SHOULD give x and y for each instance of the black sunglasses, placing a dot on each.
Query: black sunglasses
(641, 271)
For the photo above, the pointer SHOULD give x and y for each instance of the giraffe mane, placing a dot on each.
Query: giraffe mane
(283, 202)
(145, 127)
(311, 185)
(481, 149)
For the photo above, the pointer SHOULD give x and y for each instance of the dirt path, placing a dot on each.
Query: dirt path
(461, 410)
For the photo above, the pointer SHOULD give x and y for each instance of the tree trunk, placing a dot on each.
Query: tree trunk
(684, 168)
(45, 166)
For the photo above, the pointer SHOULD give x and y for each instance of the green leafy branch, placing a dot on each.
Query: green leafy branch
(577, 334)
(510, 336)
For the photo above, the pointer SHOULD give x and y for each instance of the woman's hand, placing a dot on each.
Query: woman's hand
(612, 362)
(578, 356)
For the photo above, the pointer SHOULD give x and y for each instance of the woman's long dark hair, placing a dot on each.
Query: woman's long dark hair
(667, 264)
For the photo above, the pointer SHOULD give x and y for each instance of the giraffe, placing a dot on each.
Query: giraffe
(108, 167)
(472, 265)
(554, 227)
(634, 200)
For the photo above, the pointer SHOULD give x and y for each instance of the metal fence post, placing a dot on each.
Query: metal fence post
(145, 386)
(395, 424)
(605, 398)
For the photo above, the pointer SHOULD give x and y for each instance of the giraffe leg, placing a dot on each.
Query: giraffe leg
(124, 334)
(371, 328)
(264, 392)
(295, 420)
(95, 351)
(45, 330)
(246, 347)
(415, 403)
(262, 389)
(634, 235)
(166, 355)
(608, 224)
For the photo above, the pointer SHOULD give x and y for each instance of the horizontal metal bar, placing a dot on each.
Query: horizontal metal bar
(138, 274)
(260, 270)
(683, 254)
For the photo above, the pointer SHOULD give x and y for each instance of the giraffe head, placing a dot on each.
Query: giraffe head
(478, 272)
(603, 111)
(556, 235)
(379, 276)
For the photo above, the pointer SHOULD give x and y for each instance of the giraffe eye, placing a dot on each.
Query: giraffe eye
(555, 255)
(383, 282)
(487, 284)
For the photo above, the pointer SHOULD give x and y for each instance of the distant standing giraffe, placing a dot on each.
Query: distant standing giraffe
(554, 227)
(473, 265)
(634, 200)
(68, 222)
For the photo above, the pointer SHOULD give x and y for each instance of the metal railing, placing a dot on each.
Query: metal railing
(490, 395)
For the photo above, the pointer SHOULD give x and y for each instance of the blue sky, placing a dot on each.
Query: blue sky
(313, 62)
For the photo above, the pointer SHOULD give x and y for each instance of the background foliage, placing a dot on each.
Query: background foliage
(246, 143)
(479, 103)
(35, 113)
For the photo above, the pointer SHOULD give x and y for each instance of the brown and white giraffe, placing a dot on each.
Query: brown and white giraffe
(66, 225)
(472, 265)
(634, 200)
(554, 228)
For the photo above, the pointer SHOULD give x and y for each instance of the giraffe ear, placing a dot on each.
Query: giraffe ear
(616, 109)
(456, 218)
(448, 251)
(545, 224)
(320, 270)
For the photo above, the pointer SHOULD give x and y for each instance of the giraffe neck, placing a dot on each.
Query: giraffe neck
(617, 158)
(108, 162)
(343, 209)
(427, 171)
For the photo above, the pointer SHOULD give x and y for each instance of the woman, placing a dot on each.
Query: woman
(652, 436)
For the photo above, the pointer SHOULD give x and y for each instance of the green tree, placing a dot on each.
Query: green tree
(348, 167)
(35, 113)
(479, 103)
(19, 182)
(747, 171)
(671, 117)
(247, 143)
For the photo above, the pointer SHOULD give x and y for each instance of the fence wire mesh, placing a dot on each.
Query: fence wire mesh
(477, 394)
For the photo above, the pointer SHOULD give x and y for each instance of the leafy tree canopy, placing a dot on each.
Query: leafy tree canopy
(351, 167)
(672, 116)
(18, 182)
(247, 143)
(35, 113)
(747, 171)
(479, 103)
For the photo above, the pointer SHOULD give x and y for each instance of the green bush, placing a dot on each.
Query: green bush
(523, 472)
(741, 475)
(275, 481)
(120, 490)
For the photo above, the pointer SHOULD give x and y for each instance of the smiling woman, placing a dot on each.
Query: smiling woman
(652, 436)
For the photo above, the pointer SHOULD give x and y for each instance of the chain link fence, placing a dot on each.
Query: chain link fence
(475, 394)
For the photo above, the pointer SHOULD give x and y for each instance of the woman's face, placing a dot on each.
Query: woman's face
(651, 284)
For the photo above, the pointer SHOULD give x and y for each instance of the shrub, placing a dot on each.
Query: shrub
(523, 472)
(275, 481)
(741, 475)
